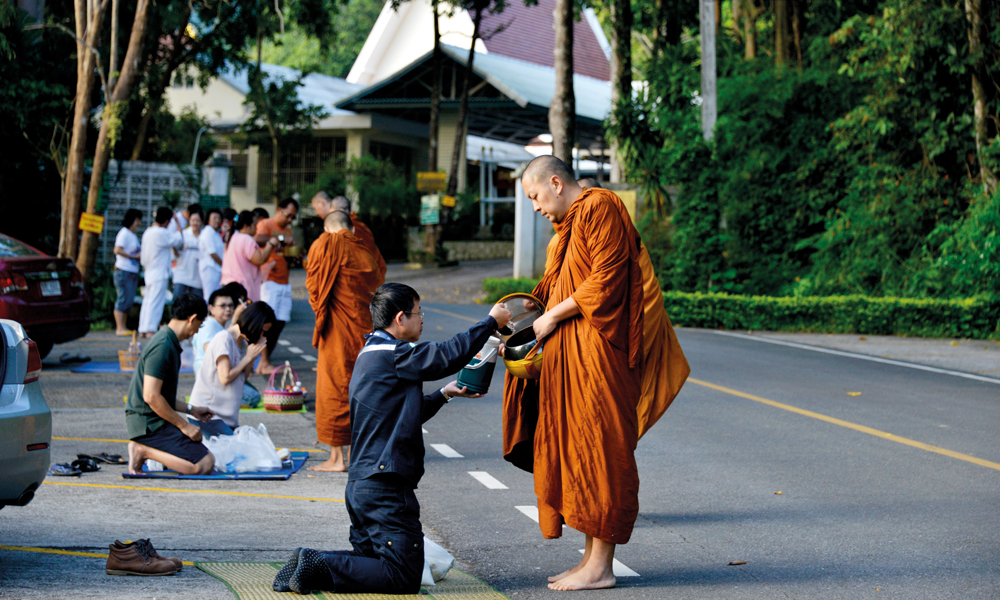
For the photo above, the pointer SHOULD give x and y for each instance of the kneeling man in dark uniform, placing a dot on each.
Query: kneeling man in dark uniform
(388, 407)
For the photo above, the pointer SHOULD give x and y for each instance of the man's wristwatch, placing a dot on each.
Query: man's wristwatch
(447, 398)
(189, 407)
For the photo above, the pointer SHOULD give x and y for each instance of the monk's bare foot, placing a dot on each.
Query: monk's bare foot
(568, 572)
(329, 466)
(135, 458)
(585, 579)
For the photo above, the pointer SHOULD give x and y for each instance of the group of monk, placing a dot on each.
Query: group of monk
(612, 363)
(343, 270)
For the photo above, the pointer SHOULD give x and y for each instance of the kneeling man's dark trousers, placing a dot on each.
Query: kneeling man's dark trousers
(388, 554)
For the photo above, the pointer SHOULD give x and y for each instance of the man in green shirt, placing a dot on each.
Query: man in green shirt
(153, 415)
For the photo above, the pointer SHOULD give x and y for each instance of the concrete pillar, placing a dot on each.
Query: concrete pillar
(532, 233)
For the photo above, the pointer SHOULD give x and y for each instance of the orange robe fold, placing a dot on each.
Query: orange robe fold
(583, 447)
(664, 369)
(365, 235)
(341, 276)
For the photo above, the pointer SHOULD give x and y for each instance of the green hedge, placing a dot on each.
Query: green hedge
(977, 317)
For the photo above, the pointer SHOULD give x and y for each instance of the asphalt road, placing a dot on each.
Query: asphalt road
(862, 513)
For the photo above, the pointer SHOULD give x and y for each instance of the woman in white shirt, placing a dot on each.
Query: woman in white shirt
(126, 274)
(220, 311)
(187, 280)
(211, 249)
(219, 382)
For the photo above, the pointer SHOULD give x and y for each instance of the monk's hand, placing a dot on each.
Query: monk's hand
(454, 391)
(544, 326)
(202, 413)
(192, 431)
(501, 314)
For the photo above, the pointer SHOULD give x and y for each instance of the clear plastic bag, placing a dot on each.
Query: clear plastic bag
(437, 562)
(247, 450)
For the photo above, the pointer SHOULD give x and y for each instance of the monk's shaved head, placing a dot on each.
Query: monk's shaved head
(544, 167)
(337, 221)
(550, 186)
(588, 182)
(341, 203)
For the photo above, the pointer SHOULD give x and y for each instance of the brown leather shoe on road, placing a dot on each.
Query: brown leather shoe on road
(136, 559)
(177, 562)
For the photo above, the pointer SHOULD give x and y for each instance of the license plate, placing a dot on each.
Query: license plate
(51, 288)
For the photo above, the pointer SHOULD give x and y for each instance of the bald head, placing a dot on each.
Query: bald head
(321, 204)
(588, 182)
(341, 203)
(336, 221)
(546, 166)
(551, 187)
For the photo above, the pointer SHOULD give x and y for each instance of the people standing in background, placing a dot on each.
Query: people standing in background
(228, 226)
(183, 217)
(187, 279)
(126, 274)
(158, 244)
(275, 290)
(244, 257)
(211, 249)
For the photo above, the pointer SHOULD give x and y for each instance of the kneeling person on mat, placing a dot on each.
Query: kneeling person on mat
(219, 382)
(387, 408)
(156, 428)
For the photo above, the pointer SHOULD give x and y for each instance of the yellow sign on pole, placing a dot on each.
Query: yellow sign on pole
(432, 181)
(92, 223)
(448, 201)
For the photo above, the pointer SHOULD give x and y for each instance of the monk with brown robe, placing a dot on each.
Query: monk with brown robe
(323, 204)
(665, 369)
(583, 456)
(341, 276)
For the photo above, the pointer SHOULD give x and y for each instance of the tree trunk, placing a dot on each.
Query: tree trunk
(562, 110)
(974, 11)
(783, 51)
(88, 35)
(154, 96)
(463, 107)
(797, 32)
(745, 15)
(621, 69)
(119, 99)
(113, 59)
(432, 132)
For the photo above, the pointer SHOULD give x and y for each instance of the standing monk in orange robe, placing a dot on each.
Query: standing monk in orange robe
(665, 369)
(584, 452)
(341, 276)
(323, 204)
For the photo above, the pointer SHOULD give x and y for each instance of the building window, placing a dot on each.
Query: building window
(400, 156)
(299, 164)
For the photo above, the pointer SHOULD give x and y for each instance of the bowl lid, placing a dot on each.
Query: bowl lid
(524, 310)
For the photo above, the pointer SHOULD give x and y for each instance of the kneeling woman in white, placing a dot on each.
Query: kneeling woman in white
(219, 382)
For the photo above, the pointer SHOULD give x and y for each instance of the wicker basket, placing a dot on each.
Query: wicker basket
(278, 398)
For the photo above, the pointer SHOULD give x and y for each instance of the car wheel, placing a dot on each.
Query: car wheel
(43, 348)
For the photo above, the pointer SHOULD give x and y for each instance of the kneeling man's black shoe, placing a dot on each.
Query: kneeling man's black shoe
(311, 573)
(285, 574)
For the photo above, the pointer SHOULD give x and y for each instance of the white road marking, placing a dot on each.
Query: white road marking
(284, 342)
(424, 430)
(530, 511)
(488, 480)
(308, 358)
(877, 359)
(446, 451)
(294, 350)
(618, 568)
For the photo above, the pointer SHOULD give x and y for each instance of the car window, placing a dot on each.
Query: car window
(11, 248)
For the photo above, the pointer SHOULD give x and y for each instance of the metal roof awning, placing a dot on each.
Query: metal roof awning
(509, 98)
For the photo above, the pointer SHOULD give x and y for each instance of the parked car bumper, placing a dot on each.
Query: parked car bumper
(24, 422)
(55, 322)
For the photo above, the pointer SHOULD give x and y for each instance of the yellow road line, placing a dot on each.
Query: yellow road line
(67, 552)
(863, 429)
(76, 439)
(153, 489)
(451, 314)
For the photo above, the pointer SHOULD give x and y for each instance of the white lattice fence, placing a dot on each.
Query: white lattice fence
(145, 187)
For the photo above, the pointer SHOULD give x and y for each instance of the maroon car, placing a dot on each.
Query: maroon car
(44, 294)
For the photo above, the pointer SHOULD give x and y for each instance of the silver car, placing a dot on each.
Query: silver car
(25, 418)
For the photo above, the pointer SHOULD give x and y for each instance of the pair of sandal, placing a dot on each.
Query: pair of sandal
(75, 468)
